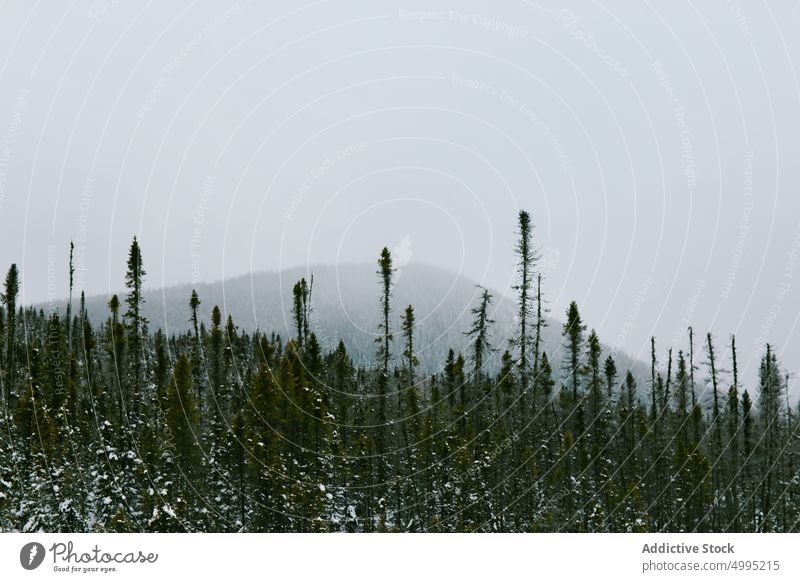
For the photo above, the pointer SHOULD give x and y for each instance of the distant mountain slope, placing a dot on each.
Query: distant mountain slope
(345, 304)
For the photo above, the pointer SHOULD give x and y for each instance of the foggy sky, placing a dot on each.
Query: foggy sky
(655, 145)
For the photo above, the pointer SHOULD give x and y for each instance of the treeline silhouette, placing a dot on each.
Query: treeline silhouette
(118, 429)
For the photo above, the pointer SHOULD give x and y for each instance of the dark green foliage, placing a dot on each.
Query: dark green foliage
(478, 334)
(527, 258)
(9, 299)
(118, 429)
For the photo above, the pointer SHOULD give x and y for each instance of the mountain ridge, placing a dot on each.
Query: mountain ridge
(345, 306)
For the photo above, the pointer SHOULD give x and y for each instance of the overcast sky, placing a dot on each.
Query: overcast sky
(655, 144)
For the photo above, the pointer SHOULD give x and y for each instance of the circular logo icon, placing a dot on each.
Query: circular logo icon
(31, 555)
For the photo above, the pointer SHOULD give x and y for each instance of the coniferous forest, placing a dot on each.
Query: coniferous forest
(121, 428)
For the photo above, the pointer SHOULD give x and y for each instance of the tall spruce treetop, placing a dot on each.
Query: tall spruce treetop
(610, 368)
(11, 288)
(526, 263)
(137, 324)
(593, 352)
(410, 358)
(134, 279)
(713, 377)
(384, 339)
(386, 273)
(653, 391)
(194, 303)
(307, 309)
(692, 367)
(69, 303)
(735, 363)
(9, 298)
(113, 306)
(681, 398)
(216, 348)
(770, 400)
(573, 333)
(541, 323)
(301, 310)
(770, 389)
(681, 388)
(479, 332)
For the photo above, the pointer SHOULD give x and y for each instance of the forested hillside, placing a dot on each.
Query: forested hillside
(123, 425)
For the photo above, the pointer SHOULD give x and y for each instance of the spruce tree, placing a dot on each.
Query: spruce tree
(681, 396)
(573, 368)
(194, 304)
(478, 334)
(408, 408)
(384, 339)
(216, 360)
(546, 411)
(197, 351)
(409, 356)
(69, 302)
(748, 445)
(628, 419)
(596, 403)
(527, 258)
(386, 274)
(117, 347)
(733, 440)
(137, 324)
(9, 299)
(541, 323)
(300, 311)
(716, 423)
(770, 398)
(182, 414)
